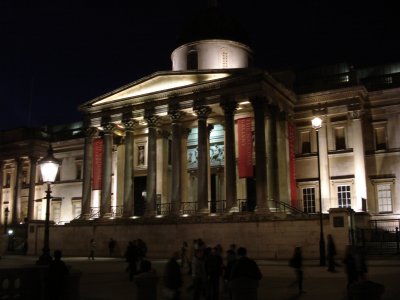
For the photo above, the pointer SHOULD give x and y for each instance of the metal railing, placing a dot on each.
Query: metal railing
(163, 209)
(382, 237)
(94, 213)
(188, 207)
(117, 211)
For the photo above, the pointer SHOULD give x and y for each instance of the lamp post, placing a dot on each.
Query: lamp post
(316, 123)
(6, 212)
(48, 168)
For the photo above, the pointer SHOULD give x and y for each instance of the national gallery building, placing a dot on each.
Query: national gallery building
(215, 136)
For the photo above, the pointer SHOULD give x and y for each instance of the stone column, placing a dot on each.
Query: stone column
(271, 157)
(324, 167)
(283, 158)
(203, 163)
(151, 188)
(260, 149)
(176, 154)
(230, 157)
(105, 201)
(87, 172)
(359, 160)
(184, 165)
(129, 176)
(16, 211)
(32, 182)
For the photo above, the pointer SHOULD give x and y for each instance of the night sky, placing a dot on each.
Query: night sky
(56, 55)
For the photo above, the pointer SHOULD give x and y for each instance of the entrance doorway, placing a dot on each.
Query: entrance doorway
(140, 195)
(251, 194)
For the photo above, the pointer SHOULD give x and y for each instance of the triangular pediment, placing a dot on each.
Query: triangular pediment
(157, 83)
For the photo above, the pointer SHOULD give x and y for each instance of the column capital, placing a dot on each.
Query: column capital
(176, 115)
(130, 124)
(108, 128)
(202, 111)
(229, 107)
(90, 132)
(356, 114)
(152, 120)
(186, 132)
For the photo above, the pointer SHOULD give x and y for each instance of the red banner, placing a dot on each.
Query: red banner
(245, 147)
(292, 165)
(97, 163)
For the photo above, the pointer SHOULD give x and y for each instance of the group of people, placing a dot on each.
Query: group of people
(135, 255)
(208, 269)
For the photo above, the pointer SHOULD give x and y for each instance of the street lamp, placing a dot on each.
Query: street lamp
(316, 123)
(6, 212)
(48, 168)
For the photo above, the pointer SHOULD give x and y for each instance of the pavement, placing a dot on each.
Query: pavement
(106, 279)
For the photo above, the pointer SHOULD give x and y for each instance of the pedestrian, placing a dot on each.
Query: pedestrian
(349, 262)
(172, 278)
(199, 274)
(331, 252)
(230, 261)
(58, 273)
(296, 262)
(185, 256)
(214, 266)
(111, 246)
(131, 256)
(245, 277)
(146, 282)
(92, 248)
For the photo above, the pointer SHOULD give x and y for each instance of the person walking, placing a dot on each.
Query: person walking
(296, 262)
(331, 252)
(199, 274)
(172, 278)
(92, 248)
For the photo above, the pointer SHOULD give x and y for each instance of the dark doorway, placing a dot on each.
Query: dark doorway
(139, 194)
(213, 204)
(251, 194)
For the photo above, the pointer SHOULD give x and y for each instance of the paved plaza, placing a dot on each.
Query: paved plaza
(106, 279)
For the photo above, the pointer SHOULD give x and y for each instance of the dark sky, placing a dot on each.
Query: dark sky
(58, 54)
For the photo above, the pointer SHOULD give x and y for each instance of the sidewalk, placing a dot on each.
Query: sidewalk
(106, 279)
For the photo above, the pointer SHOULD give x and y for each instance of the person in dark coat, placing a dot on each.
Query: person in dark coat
(58, 273)
(131, 257)
(111, 246)
(350, 264)
(331, 252)
(296, 262)
(245, 277)
(173, 277)
(214, 265)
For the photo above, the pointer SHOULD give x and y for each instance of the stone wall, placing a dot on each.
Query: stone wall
(265, 237)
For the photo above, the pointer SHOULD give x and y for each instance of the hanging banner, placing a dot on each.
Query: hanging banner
(97, 163)
(245, 147)
(292, 165)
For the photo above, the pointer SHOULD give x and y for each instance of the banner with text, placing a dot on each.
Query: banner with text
(97, 163)
(292, 165)
(245, 147)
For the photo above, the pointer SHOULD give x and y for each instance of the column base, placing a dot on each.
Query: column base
(234, 209)
(262, 210)
(203, 211)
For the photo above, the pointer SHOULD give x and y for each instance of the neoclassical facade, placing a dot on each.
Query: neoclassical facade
(217, 136)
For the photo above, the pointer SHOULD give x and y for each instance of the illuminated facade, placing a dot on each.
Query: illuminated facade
(217, 136)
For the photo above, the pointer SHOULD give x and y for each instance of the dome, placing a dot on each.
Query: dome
(212, 24)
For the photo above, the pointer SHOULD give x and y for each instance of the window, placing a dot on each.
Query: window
(344, 196)
(55, 212)
(305, 142)
(38, 210)
(340, 140)
(192, 60)
(224, 59)
(78, 174)
(380, 138)
(76, 207)
(384, 193)
(309, 200)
